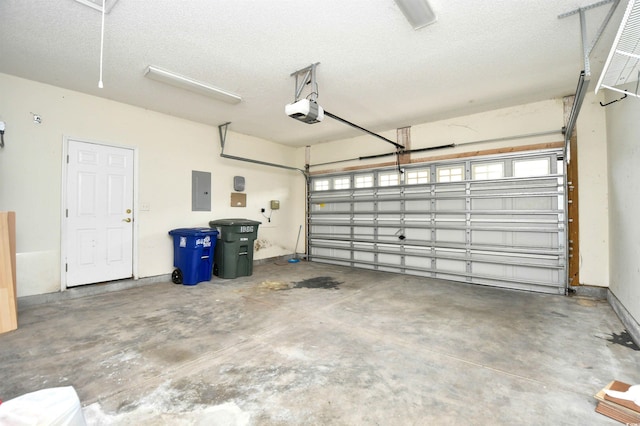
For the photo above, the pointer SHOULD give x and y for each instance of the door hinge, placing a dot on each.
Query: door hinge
(66, 267)
(66, 212)
(67, 159)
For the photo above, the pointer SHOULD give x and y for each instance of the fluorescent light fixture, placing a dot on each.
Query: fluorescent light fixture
(187, 83)
(417, 12)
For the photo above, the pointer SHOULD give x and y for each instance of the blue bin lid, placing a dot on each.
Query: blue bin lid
(193, 232)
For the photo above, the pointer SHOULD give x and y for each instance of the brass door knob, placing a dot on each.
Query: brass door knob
(127, 220)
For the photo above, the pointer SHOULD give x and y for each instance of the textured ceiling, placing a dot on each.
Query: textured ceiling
(375, 70)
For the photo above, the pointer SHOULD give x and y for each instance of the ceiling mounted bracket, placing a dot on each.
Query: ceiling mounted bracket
(97, 4)
(587, 47)
(310, 112)
(222, 131)
(306, 76)
(585, 75)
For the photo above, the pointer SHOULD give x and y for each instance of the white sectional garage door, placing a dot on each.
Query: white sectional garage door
(495, 221)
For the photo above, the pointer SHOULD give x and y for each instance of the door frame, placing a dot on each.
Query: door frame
(63, 204)
(573, 215)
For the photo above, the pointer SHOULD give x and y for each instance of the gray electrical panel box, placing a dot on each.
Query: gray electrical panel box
(200, 191)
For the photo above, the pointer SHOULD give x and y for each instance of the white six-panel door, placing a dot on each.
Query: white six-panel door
(98, 213)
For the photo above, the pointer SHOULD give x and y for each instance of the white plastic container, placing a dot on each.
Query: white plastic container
(50, 407)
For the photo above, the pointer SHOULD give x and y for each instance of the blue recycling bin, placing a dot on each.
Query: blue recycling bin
(193, 250)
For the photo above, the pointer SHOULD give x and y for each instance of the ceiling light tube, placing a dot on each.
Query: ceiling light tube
(417, 12)
(187, 83)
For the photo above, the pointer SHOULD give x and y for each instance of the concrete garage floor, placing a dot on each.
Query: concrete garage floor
(309, 343)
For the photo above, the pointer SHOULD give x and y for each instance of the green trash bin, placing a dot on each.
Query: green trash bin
(234, 251)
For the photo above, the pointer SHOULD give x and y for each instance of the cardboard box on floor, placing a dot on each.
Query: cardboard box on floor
(622, 410)
(8, 297)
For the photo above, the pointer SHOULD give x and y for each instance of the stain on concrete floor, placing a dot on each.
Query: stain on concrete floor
(587, 302)
(325, 283)
(623, 339)
(274, 285)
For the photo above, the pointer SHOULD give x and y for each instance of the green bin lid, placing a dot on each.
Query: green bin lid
(232, 222)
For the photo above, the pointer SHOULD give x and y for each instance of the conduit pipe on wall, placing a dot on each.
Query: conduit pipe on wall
(222, 130)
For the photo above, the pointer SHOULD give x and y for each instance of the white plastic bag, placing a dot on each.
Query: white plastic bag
(50, 407)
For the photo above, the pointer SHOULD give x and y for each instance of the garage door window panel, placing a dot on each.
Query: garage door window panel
(487, 171)
(416, 177)
(450, 174)
(363, 181)
(388, 179)
(531, 167)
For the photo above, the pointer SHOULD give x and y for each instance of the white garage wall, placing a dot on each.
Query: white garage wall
(520, 120)
(593, 192)
(168, 150)
(623, 142)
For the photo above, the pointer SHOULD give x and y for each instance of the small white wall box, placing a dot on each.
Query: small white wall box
(238, 183)
(275, 204)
